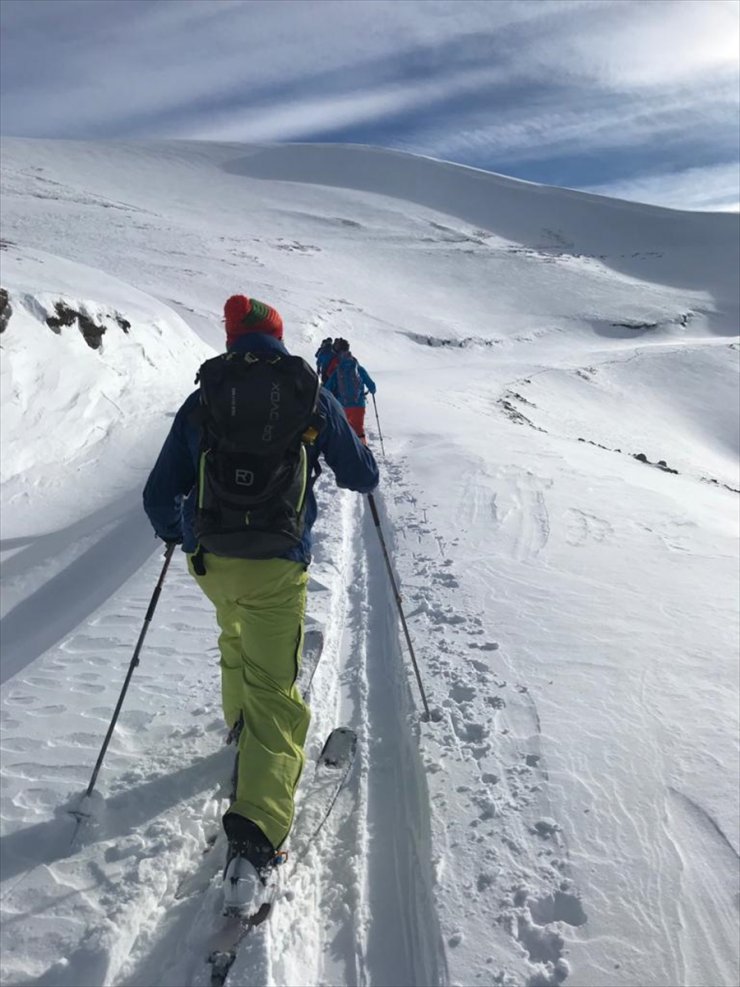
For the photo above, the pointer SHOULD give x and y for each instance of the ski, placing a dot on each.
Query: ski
(313, 646)
(331, 773)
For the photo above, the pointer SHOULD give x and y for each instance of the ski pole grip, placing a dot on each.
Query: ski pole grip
(158, 589)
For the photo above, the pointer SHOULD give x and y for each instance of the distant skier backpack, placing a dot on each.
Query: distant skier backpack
(349, 387)
(258, 416)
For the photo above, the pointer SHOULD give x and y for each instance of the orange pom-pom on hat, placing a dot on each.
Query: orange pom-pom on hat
(242, 315)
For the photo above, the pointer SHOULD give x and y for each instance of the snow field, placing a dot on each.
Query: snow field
(572, 816)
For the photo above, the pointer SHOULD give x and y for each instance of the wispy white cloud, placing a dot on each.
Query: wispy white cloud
(488, 82)
(628, 45)
(311, 114)
(152, 59)
(594, 121)
(715, 188)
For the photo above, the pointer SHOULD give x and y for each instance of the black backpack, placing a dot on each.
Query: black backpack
(258, 414)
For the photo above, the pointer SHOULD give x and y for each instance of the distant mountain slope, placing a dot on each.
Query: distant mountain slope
(647, 242)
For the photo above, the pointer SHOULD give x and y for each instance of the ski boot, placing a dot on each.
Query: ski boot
(248, 863)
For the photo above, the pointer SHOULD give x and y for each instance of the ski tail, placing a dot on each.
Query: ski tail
(313, 646)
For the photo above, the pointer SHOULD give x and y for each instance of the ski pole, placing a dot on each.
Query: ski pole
(376, 519)
(380, 434)
(134, 662)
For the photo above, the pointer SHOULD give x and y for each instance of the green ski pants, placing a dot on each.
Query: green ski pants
(260, 606)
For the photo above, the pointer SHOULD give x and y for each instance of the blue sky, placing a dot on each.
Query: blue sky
(634, 99)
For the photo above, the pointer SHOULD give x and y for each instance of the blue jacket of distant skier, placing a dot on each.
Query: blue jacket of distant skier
(348, 382)
(324, 355)
(169, 494)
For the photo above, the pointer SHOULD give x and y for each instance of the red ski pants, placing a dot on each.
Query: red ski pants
(356, 418)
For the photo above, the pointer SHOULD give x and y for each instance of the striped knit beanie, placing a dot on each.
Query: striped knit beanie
(242, 315)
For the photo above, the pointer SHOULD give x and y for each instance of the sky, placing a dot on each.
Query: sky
(638, 100)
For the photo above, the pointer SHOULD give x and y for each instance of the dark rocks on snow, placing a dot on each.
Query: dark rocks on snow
(91, 330)
(93, 333)
(635, 325)
(661, 464)
(516, 416)
(66, 316)
(6, 310)
(716, 483)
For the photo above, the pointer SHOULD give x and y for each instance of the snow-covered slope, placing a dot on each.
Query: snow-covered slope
(81, 404)
(558, 393)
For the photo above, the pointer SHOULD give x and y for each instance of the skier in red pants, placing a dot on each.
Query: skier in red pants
(347, 383)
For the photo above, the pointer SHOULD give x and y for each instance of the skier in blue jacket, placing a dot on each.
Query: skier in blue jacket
(169, 496)
(348, 381)
(324, 355)
(260, 606)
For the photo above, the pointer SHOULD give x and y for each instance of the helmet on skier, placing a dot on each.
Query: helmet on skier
(341, 345)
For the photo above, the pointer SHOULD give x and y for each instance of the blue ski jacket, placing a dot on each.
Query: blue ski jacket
(169, 494)
(345, 385)
(324, 356)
